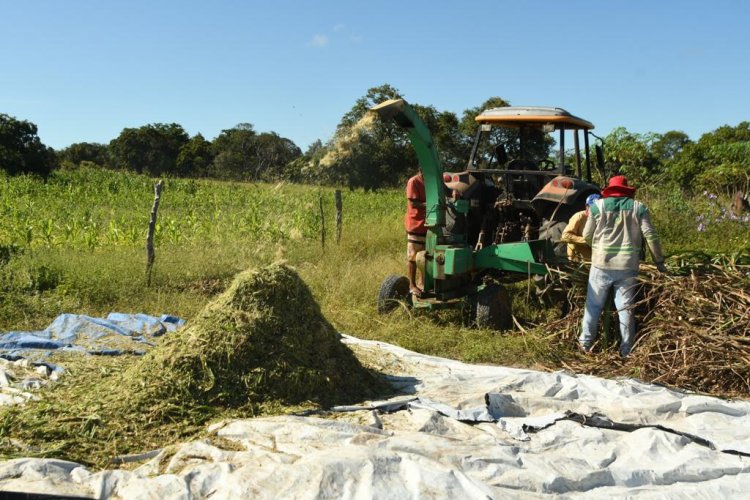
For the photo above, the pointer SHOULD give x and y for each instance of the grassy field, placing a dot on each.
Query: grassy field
(76, 244)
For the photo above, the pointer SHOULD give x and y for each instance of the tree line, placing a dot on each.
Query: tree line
(368, 154)
(160, 149)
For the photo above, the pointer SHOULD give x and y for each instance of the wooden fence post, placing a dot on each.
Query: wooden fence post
(339, 215)
(322, 222)
(150, 255)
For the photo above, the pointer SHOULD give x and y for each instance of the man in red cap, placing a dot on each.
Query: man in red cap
(615, 229)
(415, 228)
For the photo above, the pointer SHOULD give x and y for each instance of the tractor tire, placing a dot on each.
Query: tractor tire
(493, 308)
(393, 290)
(552, 230)
(550, 292)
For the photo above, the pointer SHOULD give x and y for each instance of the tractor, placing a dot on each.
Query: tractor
(499, 220)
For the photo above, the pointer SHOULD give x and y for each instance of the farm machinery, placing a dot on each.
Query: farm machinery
(500, 219)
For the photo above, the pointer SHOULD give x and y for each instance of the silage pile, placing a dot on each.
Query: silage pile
(693, 331)
(262, 341)
(261, 347)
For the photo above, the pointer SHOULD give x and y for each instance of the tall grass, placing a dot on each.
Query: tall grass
(699, 223)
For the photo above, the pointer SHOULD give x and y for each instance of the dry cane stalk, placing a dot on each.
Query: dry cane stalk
(707, 351)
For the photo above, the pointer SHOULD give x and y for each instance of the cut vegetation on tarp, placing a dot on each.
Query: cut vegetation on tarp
(261, 347)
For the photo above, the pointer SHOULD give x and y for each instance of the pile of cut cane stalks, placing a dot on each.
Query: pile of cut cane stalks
(693, 326)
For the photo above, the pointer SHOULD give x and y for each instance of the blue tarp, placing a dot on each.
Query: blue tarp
(78, 332)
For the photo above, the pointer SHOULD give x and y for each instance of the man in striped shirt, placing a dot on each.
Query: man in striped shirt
(616, 228)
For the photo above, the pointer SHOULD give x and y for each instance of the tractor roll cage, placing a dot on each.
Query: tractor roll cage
(523, 117)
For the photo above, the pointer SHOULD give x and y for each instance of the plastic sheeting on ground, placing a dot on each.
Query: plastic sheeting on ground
(25, 364)
(454, 431)
(78, 331)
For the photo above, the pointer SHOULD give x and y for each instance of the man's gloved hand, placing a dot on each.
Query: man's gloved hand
(661, 267)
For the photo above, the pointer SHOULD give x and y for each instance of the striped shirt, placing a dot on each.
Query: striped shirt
(616, 229)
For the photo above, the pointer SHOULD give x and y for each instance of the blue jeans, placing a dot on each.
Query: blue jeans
(600, 282)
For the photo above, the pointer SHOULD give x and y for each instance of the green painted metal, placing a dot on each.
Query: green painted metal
(431, 243)
(462, 206)
(458, 260)
(427, 155)
(443, 261)
(515, 257)
(450, 260)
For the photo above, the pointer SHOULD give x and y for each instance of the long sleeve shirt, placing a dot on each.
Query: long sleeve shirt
(578, 248)
(615, 229)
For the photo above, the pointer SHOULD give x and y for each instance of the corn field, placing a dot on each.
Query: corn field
(92, 209)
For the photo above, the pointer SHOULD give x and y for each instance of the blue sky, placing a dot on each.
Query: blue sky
(84, 70)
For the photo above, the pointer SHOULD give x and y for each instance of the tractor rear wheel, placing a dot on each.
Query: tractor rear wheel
(393, 290)
(548, 287)
(552, 230)
(493, 308)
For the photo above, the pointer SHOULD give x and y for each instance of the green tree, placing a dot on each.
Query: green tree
(243, 154)
(728, 168)
(272, 154)
(234, 152)
(719, 160)
(85, 151)
(538, 145)
(631, 155)
(313, 148)
(152, 149)
(366, 152)
(371, 153)
(454, 147)
(304, 169)
(195, 157)
(374, 95)
(667, 146)
(21, 150)
(468, 125)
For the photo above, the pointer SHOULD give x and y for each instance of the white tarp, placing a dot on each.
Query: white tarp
(524, 444)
